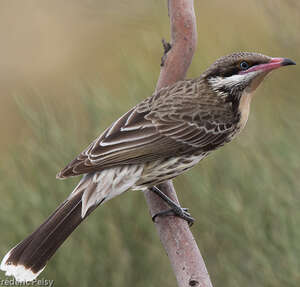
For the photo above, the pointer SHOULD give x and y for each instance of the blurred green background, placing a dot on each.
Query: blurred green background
(69, 68)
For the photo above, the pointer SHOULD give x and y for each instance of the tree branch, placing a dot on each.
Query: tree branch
(175, 235)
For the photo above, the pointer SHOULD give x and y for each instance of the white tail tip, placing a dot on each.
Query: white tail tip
(20, 272)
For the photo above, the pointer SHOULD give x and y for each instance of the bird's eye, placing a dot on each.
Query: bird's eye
(244, 65)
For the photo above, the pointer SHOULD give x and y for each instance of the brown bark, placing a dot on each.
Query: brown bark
(175, 235)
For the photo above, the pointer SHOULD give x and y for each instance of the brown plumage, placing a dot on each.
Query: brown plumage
(178, 120)
(158, 139)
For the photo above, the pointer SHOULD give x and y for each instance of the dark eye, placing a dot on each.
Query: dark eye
(244, 65)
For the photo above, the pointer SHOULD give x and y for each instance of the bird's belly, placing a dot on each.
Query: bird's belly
(159, 171)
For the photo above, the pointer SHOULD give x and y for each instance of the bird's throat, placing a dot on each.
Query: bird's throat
(244, 109)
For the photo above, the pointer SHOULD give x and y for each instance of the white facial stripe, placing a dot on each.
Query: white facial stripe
(229, 82)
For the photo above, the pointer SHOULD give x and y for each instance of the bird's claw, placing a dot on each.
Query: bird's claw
(180, 212)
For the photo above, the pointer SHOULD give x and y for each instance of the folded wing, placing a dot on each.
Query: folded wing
(162, 126)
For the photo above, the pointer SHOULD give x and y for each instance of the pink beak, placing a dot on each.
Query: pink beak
(273, 64)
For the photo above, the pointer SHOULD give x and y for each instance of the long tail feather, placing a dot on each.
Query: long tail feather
(28, 259)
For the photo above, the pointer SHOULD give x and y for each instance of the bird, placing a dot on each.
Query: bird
(160, 138)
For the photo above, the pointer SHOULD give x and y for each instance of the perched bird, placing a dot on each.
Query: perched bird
(157, 140)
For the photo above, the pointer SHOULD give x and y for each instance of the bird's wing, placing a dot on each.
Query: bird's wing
(131, 139)
(156, 128)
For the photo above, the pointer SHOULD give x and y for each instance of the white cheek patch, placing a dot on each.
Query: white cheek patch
(230, 82)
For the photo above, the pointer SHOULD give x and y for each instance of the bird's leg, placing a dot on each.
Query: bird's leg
(175, 208)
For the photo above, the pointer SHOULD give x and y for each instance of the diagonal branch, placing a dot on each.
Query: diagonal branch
(175, 235)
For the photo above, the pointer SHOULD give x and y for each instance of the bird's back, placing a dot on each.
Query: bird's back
(183, 119)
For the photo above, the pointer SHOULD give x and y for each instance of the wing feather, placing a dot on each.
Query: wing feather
(163, 125)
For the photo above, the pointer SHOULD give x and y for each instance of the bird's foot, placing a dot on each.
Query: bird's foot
(177, 211)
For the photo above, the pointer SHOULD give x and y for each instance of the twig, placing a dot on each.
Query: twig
(175, 235)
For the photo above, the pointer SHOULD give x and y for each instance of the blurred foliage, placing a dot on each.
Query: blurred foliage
(69, 68)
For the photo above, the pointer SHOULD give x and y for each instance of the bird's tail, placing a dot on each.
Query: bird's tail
(28, 259)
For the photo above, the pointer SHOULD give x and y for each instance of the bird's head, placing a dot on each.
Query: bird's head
(239, 72)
